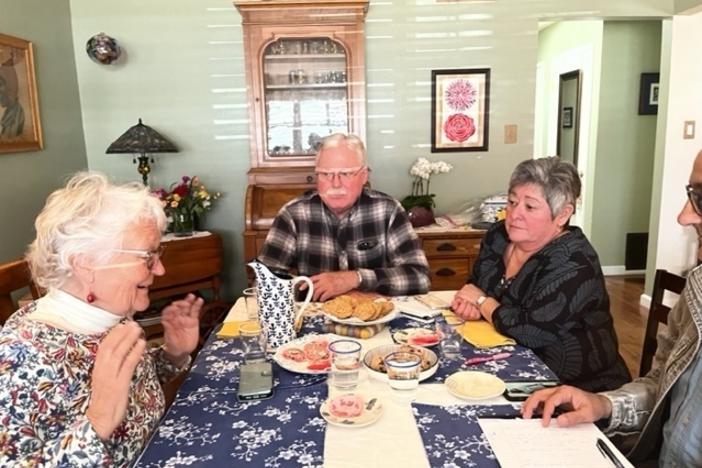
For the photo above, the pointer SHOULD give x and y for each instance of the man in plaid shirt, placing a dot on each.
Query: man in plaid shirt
(345, 236)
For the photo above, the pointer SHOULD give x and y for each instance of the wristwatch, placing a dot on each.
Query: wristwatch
(479, 302)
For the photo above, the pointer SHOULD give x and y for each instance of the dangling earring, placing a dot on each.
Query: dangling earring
(90, 298)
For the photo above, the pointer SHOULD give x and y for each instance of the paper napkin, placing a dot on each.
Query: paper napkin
(483, 335)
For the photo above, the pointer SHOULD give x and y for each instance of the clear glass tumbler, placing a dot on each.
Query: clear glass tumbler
(253, 341)
(403, 370)
(345, 363)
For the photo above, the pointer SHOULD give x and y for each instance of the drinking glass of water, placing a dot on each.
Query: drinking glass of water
(253, 342)
(345, 363)
(403, 370)
(451, 340)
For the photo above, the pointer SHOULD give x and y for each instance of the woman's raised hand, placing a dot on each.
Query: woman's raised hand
(118, 355)
(181, 328)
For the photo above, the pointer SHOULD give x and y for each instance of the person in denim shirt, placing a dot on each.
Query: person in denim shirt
(664, 407)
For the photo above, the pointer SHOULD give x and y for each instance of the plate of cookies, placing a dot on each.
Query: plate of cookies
(353, 310)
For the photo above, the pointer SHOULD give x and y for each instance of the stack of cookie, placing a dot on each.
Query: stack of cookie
(346, 306)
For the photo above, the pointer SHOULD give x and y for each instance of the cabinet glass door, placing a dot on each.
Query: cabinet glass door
(306, 94)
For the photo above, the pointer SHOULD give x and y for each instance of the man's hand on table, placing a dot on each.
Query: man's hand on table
(332, 284)
(584, 406)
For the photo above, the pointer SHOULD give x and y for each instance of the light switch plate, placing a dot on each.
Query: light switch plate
(689, 130)
(510, 134)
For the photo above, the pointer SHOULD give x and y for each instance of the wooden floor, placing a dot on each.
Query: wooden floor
(629, 317)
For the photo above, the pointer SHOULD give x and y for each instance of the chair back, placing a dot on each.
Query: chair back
(14, 276)
(658, 313)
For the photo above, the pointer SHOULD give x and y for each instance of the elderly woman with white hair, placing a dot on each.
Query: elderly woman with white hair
(539, 280)
(77, 385)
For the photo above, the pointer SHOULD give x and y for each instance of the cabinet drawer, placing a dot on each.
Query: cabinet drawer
(449, 273)
(451, 247)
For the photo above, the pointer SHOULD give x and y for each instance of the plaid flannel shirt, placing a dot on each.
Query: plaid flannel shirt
(375, 238)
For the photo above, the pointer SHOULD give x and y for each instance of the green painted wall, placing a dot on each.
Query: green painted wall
(184, 74)
(625, 140)
(27, 178)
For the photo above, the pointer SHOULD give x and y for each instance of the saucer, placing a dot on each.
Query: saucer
(371, 412)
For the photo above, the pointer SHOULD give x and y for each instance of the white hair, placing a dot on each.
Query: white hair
(89, 216)
(350, 141)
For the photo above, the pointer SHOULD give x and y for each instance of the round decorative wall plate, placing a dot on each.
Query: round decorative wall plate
(103, 49)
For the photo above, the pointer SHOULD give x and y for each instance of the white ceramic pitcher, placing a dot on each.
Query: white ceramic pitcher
(276, 303)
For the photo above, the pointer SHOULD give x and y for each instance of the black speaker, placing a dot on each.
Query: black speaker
(636, 249)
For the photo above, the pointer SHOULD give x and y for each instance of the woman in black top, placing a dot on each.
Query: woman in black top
(539, 280)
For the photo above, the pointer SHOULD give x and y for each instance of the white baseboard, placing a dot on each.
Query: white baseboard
(645, 301)
(620, 270)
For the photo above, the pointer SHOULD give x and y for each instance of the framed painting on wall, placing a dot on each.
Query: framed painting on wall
(648, 94)
(460, 104)
(20, 126)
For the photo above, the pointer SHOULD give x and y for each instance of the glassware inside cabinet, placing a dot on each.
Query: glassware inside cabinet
(306, 94)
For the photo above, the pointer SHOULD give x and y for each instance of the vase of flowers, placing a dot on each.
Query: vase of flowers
(419, 205)
(186, 200)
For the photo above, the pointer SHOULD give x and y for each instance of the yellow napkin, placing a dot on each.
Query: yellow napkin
(483, 335)
(230, 329)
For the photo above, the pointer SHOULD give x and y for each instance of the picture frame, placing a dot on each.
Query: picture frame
(460, 110)
(20, 124)
(567, 118)
(648, 93)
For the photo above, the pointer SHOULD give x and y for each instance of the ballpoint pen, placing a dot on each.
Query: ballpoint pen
(494, 357)
(607, 453)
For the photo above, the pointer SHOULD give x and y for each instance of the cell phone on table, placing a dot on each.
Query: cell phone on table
(255, 381)
(520, 391)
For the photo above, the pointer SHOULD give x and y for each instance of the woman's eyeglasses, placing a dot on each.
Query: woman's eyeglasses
(344, 175)
(151, 256)
(695, 198)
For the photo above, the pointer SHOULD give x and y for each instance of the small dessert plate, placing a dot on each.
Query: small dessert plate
(474, 385)
(418, 337)
(370, 410)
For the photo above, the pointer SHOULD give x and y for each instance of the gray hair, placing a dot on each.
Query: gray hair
(351, 141)
(558, 179)
(90, 215)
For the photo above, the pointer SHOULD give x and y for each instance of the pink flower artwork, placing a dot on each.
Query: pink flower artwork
(459, 127)
(460, 95)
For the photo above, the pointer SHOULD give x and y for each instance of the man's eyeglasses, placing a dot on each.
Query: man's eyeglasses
(695, 198)
(344, 175)
(151, 256)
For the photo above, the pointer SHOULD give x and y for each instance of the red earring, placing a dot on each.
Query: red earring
(90, 298)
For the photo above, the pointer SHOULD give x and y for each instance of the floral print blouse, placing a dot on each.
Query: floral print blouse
(45, 376)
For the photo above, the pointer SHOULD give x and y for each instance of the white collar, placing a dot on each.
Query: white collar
(62, 310)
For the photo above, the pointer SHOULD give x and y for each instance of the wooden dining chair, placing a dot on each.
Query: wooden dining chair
(658, 313)
(14, 276)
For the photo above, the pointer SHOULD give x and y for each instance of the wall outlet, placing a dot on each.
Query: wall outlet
(510, 134)
(689, 130)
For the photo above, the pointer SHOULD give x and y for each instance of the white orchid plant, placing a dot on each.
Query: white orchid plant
(421, 171)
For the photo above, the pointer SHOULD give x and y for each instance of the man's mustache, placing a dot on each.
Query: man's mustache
(335, 192)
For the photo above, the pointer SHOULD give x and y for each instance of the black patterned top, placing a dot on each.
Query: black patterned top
(556, 305)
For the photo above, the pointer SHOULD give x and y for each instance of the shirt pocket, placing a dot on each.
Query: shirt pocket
(368, 252)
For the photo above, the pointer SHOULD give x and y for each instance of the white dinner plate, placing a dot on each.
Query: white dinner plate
(474, 385)
(372, 410)
(409, 335)
(381, 351)
(301, 367)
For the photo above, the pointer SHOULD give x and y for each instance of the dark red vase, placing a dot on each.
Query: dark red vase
(420, 216)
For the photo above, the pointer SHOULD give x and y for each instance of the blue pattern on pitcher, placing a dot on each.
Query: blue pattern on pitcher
(276, 303)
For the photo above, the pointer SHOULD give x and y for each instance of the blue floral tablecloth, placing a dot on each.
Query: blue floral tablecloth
(207, 426)
(523, 365)
(452, 436)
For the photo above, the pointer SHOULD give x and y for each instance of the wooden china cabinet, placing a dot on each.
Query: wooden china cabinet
(305, 76)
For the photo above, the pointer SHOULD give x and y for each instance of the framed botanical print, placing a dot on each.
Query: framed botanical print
(20, 126)
(460, 104)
